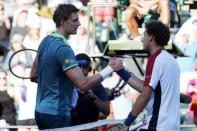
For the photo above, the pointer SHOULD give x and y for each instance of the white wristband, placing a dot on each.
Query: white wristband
(106, 71)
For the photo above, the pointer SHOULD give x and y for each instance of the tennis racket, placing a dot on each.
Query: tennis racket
(21, 61)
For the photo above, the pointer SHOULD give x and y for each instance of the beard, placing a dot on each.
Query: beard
(146, 47)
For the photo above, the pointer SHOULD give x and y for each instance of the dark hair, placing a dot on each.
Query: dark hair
(159, 30)
(83, 60)
(63, 12)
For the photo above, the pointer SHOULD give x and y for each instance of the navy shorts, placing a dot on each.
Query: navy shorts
(48, 121)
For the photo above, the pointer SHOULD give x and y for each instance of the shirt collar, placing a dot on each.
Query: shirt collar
(55, 34)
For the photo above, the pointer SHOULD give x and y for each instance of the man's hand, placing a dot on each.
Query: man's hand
(112, 61)
(116, 64)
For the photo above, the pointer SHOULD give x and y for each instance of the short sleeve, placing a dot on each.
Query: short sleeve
(66, 58)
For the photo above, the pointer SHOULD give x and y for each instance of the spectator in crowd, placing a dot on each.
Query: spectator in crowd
(16, 44)
(5, 26)
(191, 90)
(47, 25)
(7, 99)
(33, 37)
(186, 41)
(20, 25)
(79, 42)
(93, 104)
(140, 8)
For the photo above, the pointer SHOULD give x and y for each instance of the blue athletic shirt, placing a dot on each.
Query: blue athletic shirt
(54, 94)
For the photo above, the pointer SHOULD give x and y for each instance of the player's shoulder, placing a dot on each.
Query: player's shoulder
(165, 58)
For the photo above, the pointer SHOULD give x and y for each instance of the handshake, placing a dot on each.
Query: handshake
(116, 64)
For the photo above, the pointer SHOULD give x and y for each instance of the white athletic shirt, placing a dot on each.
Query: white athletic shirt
(163, 75)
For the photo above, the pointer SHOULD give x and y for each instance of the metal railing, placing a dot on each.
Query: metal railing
(92, 14)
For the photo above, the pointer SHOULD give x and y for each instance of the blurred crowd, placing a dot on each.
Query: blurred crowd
(24, 23)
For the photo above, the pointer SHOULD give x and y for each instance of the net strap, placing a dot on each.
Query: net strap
(97, 124)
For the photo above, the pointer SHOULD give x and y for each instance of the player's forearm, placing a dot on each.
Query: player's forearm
(131, 79)
(140, 103)
(136, 83)
(89, 82)
(139, 106)
(85, 83)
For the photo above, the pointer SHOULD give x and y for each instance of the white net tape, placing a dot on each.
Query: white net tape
(83, 126)
(97, 124)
